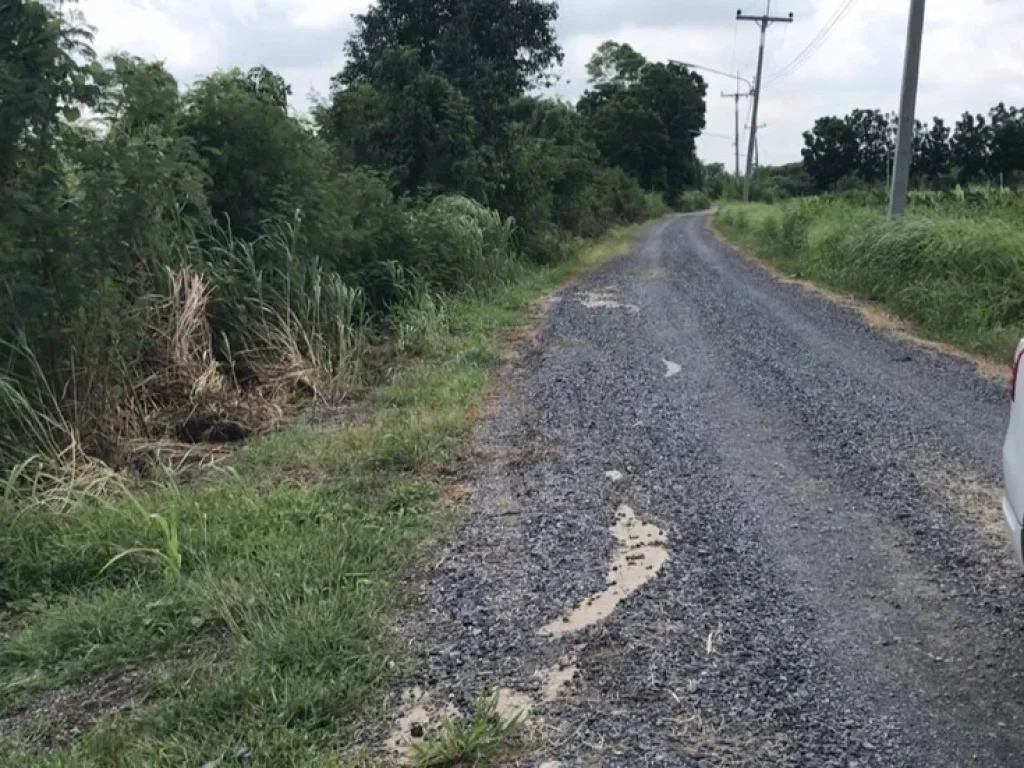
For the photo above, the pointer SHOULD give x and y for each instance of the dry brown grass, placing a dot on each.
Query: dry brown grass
(978, 499)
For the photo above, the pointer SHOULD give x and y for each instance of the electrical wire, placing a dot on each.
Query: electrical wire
(815, 45)
(730, 75)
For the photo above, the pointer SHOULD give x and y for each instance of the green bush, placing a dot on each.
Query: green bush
(693, 200)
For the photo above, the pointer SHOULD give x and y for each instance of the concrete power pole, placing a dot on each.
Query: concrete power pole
(908, 103)
(736, 98)
(763, 22)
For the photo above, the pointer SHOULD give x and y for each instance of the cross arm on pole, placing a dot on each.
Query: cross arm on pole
(765, 19)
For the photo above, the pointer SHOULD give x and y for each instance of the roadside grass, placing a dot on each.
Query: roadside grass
(256, 600)
(957, 275)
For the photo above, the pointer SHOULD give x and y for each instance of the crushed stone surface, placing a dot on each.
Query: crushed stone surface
(822, 602)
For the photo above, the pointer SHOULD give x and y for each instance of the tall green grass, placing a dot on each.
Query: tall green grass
(955, 272)
(223, 318)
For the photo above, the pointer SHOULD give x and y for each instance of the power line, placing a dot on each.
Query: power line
(815, 45)
(730, 75)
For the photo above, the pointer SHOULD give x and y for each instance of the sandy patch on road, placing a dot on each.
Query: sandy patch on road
(605, 298)
(639, 554)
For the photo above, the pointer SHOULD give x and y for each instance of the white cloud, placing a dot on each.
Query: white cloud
(971, 56)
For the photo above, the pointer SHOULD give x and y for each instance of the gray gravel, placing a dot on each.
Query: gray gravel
(858, 614)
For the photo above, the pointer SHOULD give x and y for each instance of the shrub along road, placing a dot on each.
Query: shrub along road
(836, 589)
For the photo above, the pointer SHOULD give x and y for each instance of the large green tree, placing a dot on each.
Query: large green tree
(48, 75)
(1007, 141)
(970, 147)
(645, 117)
(256, 155)
(934, 158)
(491, 50)
(830, 152)
(407, 121)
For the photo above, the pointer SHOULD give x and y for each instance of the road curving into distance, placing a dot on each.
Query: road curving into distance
(829, 584)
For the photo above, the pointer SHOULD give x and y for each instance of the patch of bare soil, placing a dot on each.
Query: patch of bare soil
(334, 414)
(60, 716)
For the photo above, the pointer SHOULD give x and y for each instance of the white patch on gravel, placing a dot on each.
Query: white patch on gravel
(555, 680)
(512, 704)
(420, 714)
(671, 369)
(614, 475)
(639, 555)
(606, 299)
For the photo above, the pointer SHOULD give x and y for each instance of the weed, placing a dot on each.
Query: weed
(169, 554)
(477, 741)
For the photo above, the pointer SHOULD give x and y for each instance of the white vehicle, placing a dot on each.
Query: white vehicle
(1013, 460)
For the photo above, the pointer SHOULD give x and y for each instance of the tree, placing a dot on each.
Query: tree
(413, 124)
(139, 93)
(645, 117)
(491, 50)
(1007, 141)
(614, 64)
(255, 155)
(831, 152)
(874, 133)
(47, 73)
(970, 147)
(935, 156)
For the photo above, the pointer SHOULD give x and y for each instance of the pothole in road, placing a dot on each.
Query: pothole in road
(606, 298)
(639, 554)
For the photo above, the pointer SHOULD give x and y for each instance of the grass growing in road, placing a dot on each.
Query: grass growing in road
(249, 608)
(956, 273)
(479, 740)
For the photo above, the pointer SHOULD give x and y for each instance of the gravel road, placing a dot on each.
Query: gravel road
(837, 590)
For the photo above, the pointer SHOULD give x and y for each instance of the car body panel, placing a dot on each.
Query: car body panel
(1013, 466)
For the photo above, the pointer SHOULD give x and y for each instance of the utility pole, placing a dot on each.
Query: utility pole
(763, 22)
(908, 103)
(757, 151)
(736, 98)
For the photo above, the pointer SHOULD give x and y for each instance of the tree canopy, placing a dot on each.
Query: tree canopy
(491, 50)
(859, 148)
(645, 117)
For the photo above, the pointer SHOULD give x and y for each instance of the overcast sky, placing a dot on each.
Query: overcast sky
(973, 55)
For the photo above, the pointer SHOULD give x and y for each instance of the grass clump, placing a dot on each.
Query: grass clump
(480, 740)
(955, 272)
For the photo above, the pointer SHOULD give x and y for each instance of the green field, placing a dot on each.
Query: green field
(954, 268)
